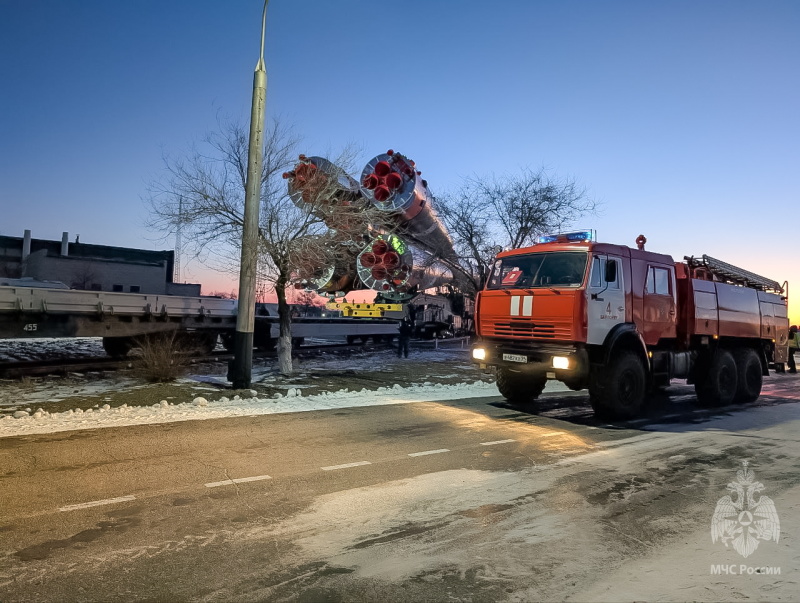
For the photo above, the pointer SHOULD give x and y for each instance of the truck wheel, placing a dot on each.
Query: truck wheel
(519, 388)
(717, 386)
(748, 376)
(625, 387)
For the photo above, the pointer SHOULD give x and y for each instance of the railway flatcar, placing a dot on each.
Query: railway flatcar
(122, 319)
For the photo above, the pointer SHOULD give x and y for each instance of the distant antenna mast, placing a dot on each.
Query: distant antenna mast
(176, 278)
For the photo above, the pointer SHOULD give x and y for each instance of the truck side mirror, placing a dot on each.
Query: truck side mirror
(611, 271)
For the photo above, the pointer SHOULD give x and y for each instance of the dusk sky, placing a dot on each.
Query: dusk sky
(682, 119)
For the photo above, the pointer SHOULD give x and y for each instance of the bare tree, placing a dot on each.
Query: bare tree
(83, 276)
(488, 214)
(204, 194)
(9, 270)
(308, 300)
(225, 295)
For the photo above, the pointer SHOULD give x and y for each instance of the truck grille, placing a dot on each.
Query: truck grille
(526, 330)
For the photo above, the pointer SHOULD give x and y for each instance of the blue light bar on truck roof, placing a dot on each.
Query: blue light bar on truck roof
(579, 236)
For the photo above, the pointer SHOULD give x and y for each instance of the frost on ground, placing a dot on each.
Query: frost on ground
(377, 377)
(40, 348)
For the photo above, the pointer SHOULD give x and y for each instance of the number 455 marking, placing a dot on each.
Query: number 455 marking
(30, 327)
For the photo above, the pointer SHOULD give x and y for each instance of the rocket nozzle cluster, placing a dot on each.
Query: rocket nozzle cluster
(385, 264)
(388, 176)
(315, 182)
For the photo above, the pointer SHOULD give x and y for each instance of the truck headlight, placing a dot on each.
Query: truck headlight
(560, 362)
(479, 353)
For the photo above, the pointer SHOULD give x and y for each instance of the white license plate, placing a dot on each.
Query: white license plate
(515, 358)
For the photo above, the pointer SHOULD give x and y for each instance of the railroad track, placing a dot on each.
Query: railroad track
(64, 366)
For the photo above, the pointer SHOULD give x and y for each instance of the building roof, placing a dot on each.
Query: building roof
(97, 252)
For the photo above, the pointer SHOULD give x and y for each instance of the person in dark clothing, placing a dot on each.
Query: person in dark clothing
(404, 332)
(793, 345)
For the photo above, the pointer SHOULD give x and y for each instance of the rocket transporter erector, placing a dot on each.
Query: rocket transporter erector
(397, 257)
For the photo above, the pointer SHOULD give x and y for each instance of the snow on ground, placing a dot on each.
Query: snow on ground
(211, 400)
(213, 407)
(37, 348)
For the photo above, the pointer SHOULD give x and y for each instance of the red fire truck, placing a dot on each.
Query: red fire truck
(620, 322)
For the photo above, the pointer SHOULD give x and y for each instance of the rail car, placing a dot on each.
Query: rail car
(122, 319)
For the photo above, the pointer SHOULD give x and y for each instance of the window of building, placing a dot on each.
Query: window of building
(135, 288)
(117, 288)
(95, 287)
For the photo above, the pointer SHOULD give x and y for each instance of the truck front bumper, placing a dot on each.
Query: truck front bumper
(557, 361)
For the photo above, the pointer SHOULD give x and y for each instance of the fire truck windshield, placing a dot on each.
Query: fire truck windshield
(547, 269)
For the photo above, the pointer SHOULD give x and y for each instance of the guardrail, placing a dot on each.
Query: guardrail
(464, 341)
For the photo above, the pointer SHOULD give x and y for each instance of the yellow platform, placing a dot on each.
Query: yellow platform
(363, 310)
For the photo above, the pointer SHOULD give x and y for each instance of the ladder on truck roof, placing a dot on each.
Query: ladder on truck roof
(728, 273)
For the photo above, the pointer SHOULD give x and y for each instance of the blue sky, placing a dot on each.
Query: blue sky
(681, 118)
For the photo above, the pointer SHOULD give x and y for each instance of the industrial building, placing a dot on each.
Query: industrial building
(90, 267)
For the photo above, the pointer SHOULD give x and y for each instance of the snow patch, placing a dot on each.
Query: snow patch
(42, 421)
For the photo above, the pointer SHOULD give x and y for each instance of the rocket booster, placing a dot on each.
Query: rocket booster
(392, 184)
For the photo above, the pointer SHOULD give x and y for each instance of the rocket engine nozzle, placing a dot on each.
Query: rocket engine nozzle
(367, 259)
(380, 247)
(382, 192)
(393, 181)
(382, 169)
(371, 182)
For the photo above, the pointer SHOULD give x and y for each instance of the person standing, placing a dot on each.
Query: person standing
(794, 343)
(404, 337)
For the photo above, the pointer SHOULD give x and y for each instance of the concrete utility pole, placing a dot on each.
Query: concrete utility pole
(241, 368)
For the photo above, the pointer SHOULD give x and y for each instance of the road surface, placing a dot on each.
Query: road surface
(469, 500)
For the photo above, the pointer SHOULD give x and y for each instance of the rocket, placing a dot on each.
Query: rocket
(397, 260)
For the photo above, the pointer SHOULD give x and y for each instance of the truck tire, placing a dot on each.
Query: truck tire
(716, 386)
(624, 388)
(748, 376)
(518, 387)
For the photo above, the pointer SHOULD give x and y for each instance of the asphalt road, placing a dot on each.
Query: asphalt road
(468, 500)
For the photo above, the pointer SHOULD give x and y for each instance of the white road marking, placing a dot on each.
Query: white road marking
(496, 442)
(237, 480)
(429, 452)
(552, 433)
(97, 503)
(345, 466)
